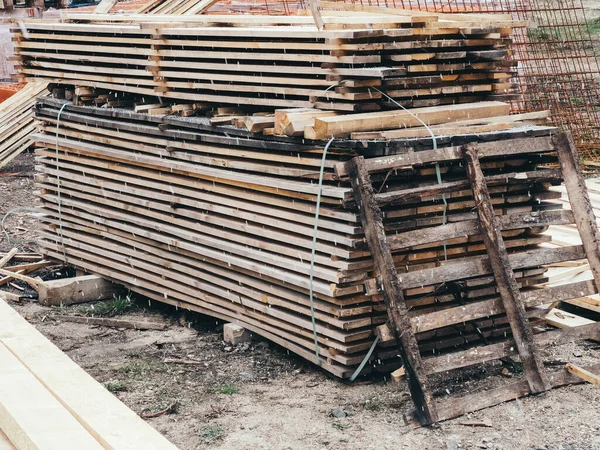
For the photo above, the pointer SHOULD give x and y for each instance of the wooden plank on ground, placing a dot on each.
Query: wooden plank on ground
(584, 374)
(31, 416)
(107, 419)
(69, 291)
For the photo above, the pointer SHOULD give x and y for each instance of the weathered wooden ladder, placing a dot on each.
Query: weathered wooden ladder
(498, 262)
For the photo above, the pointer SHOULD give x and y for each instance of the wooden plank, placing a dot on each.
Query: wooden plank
(585, 375)
(579, 200)
(479, 265)
(341, 126)
(70, 291)
(486, 308)
(30, 415)
(481, 354)
(5, 443)
(108, 420)
(510, 147)
(112, 323)
(6, 258)
(564, 319)
(505, 279)
(471, 228)
(104, 6)
(474, 402)
(371, 218)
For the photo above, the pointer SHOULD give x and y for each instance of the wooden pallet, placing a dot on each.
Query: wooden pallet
(498, 262)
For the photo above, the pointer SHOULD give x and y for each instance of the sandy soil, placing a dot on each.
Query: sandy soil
(259, 396)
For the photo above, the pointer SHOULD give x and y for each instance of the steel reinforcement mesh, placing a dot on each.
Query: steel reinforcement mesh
(557, 57)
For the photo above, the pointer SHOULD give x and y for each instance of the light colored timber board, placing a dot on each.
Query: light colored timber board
(212, 43)
(5, 443)
(180, 29)
(372, 72)
(30, 415)
(229, 55)
(339, 126)
(564, 319)
(104, 417)
(249, 20)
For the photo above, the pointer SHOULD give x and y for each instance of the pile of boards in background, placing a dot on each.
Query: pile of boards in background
(361, 61)
(17, 120)
(265, 172)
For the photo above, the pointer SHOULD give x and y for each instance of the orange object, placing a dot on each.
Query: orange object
(7, 90)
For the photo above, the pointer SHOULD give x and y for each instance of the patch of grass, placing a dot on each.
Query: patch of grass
(543, 34)
(594, 26)
(228, 389)
(108, 308)
(212, 433)
(138, 369)
(115, 386)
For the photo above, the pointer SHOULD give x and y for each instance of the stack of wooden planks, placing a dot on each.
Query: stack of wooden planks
(49, 402)
(17, 121)
(360, 61)
(220, 220)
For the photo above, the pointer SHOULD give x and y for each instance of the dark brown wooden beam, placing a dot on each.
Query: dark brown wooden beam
(486, 308)
(416, 194)
(408, 347)
(480, 265)
(486, 150)
(478, 355)
(440, 233)
(503, 274)
(449, 409)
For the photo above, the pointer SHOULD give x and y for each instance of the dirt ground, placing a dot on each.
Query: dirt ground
(259, 396)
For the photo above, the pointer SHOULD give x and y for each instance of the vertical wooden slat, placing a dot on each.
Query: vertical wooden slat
(503, 273)
(580, 201)
(372, 222)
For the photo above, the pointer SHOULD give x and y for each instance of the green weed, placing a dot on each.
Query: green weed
(228, 389)
(212, 433)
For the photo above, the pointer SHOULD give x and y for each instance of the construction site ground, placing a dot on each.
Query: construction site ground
(258, 396)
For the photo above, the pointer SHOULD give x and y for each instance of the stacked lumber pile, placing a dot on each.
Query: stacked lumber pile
(220, 220)
(49, 402)
(17, 121)
(360, 61)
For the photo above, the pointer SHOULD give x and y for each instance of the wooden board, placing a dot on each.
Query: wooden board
(105, 421)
